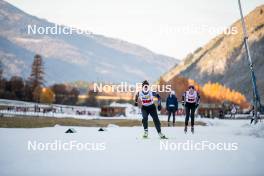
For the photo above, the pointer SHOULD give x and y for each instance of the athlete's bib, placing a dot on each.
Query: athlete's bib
(146, 99)
(191, 98)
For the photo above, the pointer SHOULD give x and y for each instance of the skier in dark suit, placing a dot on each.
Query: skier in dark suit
(171, 106)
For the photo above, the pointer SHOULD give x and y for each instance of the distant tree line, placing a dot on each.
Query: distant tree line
(33, 89)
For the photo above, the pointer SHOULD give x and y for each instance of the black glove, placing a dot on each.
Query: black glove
(196, 105)
(183, 104)
(159, 107)
(136, 104)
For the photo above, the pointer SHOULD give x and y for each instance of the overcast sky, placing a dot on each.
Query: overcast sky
(170, 27)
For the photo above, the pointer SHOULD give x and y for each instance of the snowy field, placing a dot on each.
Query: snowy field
(121, 151)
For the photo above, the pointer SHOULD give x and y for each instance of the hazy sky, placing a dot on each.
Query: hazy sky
(170, 27)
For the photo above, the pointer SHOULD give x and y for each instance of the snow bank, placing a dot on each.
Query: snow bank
(112, 126)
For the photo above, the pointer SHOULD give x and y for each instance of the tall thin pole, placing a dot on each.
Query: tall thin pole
(256, 98)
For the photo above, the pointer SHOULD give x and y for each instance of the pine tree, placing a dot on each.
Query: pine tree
(36, 79)
(37, 72)
(1, 70)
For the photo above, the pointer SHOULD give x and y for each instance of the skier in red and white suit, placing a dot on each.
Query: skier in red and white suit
(146, 96)
(190, 100)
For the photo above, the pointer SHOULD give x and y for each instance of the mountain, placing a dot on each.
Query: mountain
(224, 60)
(87, 57)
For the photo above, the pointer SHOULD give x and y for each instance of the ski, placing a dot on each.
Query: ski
(156, 138)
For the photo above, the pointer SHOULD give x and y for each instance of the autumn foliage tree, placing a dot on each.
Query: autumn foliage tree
(47, 96)
(221, 93)
(210, 92)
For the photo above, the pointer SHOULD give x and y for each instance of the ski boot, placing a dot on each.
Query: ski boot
(145, 135)
(185, 129)
(192, 130)
(162, 136)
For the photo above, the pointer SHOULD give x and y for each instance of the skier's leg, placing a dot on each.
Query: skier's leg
(187, 112)
(192, 115)
(154, 115)
(145, 114)
(169, 115)
(251, 121)
(173, 115)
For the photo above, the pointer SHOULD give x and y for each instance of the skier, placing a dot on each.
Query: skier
(146, 97)
(171, 106)
(233, 112)
(190, 100)
(253, 115)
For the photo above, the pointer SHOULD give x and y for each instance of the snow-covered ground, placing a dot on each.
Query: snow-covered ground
(121, 151)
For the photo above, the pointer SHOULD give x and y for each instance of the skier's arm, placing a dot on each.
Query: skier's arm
(158, 96)
(176, 103)
(159, 99)
(198, 100)
(136, 99)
